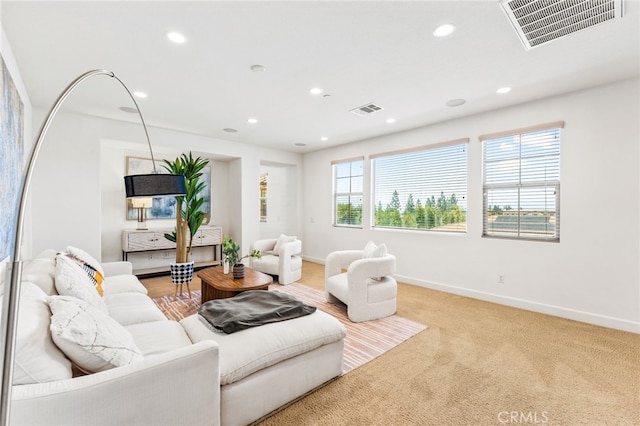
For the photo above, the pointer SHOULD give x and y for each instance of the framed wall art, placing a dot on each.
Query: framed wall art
(163, 207)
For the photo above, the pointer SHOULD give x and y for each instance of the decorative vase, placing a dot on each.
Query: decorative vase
(238, 271)
(181, 273)
(225, 267)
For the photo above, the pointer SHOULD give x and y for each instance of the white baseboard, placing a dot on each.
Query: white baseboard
(558, 311)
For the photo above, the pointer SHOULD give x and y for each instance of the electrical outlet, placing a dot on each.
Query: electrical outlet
(150, 256)
(500, 279)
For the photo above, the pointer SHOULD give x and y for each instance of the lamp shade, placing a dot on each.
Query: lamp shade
(141, 203)
(154, 185)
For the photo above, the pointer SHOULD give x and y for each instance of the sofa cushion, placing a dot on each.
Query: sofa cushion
(269, 264)
(338, 285)
(282, 240)
(158, 337)
(37, 358)
(254, 349)
(132, 308)
(122, 284)
(89, 337)
(72, 280)
(85, 258)
(42, 271)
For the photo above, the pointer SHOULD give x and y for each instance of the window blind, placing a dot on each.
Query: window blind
(423, 189)
(522, 185)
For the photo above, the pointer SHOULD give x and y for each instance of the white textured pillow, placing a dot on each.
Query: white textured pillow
(37, 358)
(371, 250)
(282, 240)
(72, 280)
(91, 339)
(85, 257)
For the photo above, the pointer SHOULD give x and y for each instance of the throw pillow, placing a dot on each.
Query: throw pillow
(72, 280)
(91, 266)
(371, 250)
(282, 240)
(37, 359)
(91, 339)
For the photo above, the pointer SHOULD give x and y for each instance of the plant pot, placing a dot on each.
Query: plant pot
(181, 273)
(238, 271)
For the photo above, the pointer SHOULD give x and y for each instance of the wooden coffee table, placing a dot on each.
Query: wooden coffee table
(217, 285)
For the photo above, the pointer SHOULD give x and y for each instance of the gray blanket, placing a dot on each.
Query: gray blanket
(252, 308)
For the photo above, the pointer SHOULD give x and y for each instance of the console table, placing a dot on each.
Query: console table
(149, 240)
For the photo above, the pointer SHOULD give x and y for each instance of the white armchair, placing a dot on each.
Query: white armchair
(280, 256)
(367, 288)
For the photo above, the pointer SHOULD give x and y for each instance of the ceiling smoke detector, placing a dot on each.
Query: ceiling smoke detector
(366, 109)
(540, 21)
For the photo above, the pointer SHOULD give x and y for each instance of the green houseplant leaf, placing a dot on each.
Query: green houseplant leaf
(189, 216)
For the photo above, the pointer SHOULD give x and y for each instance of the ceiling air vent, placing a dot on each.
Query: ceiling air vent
(367, 109)
(540, 21)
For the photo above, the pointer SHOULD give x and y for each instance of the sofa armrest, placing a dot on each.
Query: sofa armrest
(338, 260)
(290, 248)
(117, 268)
(160, 390)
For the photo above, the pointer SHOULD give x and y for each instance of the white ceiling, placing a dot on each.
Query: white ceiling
(358, 52)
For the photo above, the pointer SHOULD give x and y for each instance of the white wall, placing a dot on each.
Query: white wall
(592, 275)
(79, 192)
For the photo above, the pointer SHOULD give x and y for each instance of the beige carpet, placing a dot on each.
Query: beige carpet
(476, 363)
(364, 342)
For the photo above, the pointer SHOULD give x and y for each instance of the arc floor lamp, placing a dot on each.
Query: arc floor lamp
(135, 186)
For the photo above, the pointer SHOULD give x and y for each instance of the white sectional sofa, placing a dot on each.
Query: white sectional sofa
(186, 374)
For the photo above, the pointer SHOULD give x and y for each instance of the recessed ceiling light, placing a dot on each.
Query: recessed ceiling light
(252, 121)
(315, 91)
(444, 30)
(257, 68)
(140, 94)
(176, 37)
(503, 90)
(455, 102)
(391, 120)
(229, 130)
(324, 139)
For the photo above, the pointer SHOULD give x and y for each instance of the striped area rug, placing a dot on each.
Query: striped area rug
(364, 341)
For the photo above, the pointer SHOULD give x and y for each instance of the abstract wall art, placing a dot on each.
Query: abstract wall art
(11, 158)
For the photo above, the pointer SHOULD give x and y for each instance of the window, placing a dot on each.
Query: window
(522, 183)
(263, 197)
(423, 188)
(347, 192)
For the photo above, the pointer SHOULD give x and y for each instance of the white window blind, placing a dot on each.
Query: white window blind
(522, 185)
(347, 192)
(424, 188)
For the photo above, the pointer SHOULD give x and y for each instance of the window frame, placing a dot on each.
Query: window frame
(438, 228)
(521, 186)
(350, 193)
(262, 196)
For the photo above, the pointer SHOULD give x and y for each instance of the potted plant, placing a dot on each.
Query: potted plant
(231, 253)
(189, 216)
